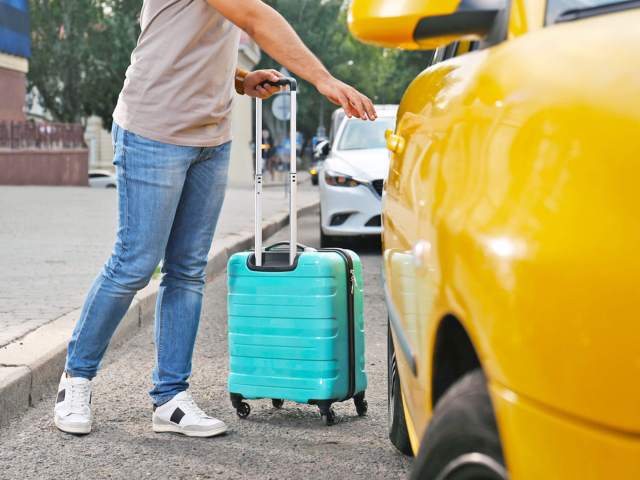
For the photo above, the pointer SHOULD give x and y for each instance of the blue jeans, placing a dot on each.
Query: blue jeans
(169, 200)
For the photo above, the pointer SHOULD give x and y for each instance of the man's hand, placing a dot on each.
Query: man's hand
(253, 80)
(354, 103)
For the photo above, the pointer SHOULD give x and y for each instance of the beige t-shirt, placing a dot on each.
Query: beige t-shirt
(179, 87)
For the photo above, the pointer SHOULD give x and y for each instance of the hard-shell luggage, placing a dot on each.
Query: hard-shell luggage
(296, 326)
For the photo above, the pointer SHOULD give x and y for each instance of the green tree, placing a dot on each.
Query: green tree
(112, 54)
(81, 50)
(61, 35)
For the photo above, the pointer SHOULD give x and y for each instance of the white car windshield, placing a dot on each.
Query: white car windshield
(361, 134)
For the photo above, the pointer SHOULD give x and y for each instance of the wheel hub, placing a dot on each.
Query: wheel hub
(473, 466)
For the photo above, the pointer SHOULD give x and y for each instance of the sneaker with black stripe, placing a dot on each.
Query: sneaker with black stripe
(182, 415)
(72, 412)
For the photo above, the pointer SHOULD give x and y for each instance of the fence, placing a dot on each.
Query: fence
(41, 136)
(42, 154)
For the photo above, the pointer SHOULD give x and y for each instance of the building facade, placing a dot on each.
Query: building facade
(15, 50)
(241, 164)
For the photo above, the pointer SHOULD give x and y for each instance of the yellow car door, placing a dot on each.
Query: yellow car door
(400, 233)
(409, 238)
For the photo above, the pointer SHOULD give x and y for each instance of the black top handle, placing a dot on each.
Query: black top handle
(278, 245)
(290, 82)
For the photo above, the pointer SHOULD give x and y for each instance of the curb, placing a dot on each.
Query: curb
(30, 368)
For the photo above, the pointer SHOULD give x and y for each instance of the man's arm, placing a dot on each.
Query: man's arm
(276, 37)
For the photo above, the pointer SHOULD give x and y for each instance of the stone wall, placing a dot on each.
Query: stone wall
(44, 167)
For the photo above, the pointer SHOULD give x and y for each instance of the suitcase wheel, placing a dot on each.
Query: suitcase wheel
(328, 417)
(277, 402)
(243, 409)
(327, 413)
(361, 404)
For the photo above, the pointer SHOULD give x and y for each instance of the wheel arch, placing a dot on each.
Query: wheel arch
(454, 355)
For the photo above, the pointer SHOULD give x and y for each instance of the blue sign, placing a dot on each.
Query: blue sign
(15, 33)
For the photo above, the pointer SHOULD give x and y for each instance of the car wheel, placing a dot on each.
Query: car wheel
(396, 421)
(325, 240)
(111, 185)
(462, 440)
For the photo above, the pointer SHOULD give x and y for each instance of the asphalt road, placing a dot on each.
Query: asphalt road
(291, 443)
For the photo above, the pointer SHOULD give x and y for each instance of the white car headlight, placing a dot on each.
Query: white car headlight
(336, 179)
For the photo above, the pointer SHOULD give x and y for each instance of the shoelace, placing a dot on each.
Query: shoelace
(189, 405)
(80, 394)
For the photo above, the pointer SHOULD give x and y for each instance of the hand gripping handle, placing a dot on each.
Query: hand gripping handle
(283, 82)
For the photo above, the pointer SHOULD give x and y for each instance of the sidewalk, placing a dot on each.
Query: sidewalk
(53, 242)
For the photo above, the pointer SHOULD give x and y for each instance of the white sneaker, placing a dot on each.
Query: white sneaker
(182, 415)
(72, 412)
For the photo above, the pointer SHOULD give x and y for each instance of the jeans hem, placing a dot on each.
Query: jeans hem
(77, 374)
(162, 399)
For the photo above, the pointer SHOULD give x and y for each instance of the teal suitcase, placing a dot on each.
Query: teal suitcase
(296, 325)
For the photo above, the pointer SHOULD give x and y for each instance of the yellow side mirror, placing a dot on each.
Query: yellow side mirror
(422, 24)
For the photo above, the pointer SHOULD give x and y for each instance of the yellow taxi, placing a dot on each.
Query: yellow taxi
(511, 238)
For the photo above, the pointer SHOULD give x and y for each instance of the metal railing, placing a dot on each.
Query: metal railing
(41, 136)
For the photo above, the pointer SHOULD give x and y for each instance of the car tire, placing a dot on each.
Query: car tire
(396, 421)
(326, 241)
(462, 440)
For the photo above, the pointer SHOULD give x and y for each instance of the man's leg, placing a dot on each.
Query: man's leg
(180, 297)
(150, 178)
(179, 300)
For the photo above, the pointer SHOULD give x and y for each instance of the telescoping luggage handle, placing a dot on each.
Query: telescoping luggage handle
(293, 218)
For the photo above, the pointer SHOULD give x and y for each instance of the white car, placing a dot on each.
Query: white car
(352, 177)
(102, 179)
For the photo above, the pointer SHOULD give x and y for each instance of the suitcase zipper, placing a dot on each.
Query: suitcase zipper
(354, 282)
(351, 284)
